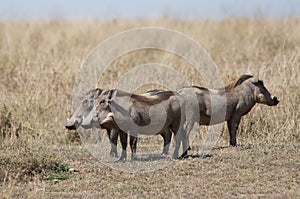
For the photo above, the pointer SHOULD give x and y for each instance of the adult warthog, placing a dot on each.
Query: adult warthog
(86, 104)
(227, 104)
(144, 114)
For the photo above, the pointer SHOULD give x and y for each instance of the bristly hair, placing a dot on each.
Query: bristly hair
(231, 85)
(91, 94)
(152, 99)
(237, 82)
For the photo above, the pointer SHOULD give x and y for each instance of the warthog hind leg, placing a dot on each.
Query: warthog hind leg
(123, 138)
(167, 135)
(233, 125)
(185, 145)
(177, 145)
(133, 143)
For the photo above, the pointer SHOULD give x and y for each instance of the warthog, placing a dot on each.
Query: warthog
(86, 105)
(84, 108)
(144, 114)
(235, 100)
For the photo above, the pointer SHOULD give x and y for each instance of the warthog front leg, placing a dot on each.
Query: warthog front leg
(123, 138)
(113, 138)
(233, 125)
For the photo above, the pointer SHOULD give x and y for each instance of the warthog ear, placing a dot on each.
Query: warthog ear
(110, 94)
(255, 79)
(97, 93)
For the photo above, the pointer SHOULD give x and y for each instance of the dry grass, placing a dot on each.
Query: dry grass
(38, 66)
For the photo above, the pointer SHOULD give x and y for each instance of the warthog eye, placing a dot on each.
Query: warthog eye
(102, 102)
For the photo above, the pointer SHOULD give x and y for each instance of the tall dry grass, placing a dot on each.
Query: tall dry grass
(39, 61)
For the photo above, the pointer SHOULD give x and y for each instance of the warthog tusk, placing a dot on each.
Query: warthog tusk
(108, 118)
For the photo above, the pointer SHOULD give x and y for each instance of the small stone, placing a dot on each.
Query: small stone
(73, 170)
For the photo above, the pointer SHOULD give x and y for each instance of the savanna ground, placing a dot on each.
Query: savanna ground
(38, 66)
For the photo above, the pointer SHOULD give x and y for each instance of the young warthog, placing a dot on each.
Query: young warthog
(234, 101)
(144, 114)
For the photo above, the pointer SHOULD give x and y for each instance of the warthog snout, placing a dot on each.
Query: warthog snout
(71, 125)
(275, 101)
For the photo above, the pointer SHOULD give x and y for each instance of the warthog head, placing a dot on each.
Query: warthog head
(85, 106)
(262, 95)
(100, 116)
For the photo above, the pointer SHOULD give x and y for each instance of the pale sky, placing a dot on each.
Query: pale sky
(106, 9)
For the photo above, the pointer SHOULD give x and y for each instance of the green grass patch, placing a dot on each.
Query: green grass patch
(56, 176)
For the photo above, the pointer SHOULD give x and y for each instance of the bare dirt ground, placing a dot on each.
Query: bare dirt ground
(250, 171)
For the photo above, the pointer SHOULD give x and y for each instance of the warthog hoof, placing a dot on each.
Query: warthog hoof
(164, 154)
(183, 156)
(121, 159)
(133, 157)
(232, 142)
(113, 154)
